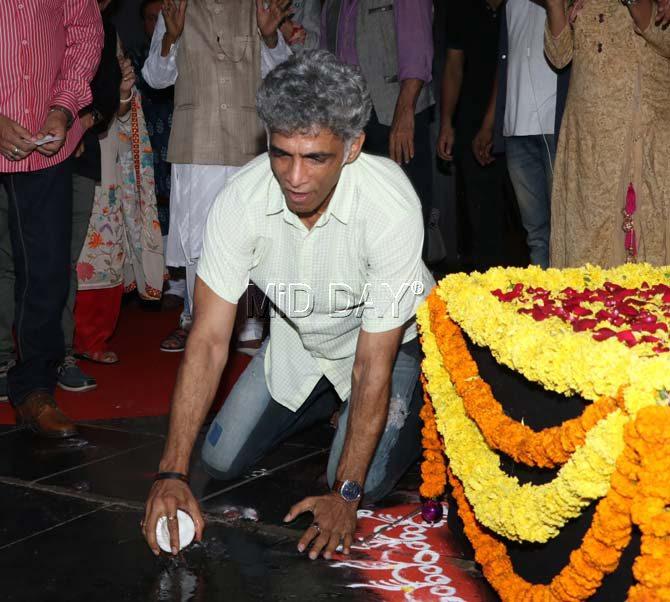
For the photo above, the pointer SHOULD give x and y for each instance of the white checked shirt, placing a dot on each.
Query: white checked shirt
(358, 267)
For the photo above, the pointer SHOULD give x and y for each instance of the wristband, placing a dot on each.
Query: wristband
(66, 112)
(125, 100)
(178, 476)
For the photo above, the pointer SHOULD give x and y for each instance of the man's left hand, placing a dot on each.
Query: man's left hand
(56, 126)
(269, 16)
(401, 140)
(334, 524)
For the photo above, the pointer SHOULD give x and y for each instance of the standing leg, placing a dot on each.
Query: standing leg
(40, 219)
(548, 151)
(70, 375)
(7, 351)
(526, 165)
(96, 315)
(83, 193)
(400, 443)
(485, 203)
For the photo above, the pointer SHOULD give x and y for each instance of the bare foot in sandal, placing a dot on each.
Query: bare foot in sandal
(175, 342)
(99, 357)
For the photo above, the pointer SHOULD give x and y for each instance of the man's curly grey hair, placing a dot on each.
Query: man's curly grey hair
(312, 91)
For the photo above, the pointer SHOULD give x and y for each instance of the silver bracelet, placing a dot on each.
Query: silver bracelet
(126, 100)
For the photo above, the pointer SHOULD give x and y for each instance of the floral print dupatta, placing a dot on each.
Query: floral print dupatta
(124, 243)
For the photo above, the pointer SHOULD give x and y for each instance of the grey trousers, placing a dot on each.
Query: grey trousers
(83, 191)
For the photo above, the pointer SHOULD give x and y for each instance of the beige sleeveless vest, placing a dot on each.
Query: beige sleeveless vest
(219, 63)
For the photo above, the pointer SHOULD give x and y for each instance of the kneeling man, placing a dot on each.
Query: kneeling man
(334, 237)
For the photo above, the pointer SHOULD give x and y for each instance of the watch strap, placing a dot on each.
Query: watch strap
(179, 476)
(338, 485)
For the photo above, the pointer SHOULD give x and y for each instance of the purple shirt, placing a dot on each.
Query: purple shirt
(414, 36)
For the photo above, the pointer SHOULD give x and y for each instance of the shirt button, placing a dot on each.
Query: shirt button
(20, 7)
(24, 42)
(217, 10)
(26, 76)
(504, 56)
(221, 56)
(224, 106)
(26, 111)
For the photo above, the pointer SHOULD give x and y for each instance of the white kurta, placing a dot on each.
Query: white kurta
(194, 187)
(531, 82)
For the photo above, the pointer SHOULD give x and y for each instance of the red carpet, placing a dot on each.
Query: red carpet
(141, 383)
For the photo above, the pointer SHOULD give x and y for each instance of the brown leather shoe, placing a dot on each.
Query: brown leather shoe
(40, 413)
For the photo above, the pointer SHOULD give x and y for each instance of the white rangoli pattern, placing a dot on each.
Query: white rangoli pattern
(401, 554)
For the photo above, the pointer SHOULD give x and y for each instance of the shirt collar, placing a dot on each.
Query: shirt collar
(340, 205)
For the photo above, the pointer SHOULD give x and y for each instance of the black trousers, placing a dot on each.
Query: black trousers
(420, 169)
(40, 227)
(482, 195)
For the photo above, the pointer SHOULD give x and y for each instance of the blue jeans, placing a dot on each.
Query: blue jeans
(530, 161)
(251, 423)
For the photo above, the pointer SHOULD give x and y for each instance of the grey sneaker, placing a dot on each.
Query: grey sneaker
(4, 368)
(72, 378)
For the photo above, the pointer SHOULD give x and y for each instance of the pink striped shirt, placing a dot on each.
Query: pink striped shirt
(49, 52)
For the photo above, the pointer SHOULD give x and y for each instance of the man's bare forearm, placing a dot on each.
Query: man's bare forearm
(490, 115)
(368, 412)
(410, 89)
(197, 383)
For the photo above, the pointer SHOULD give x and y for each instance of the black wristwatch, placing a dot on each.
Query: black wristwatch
(350, 491)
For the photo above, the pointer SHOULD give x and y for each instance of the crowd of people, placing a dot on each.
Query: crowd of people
(256, 144)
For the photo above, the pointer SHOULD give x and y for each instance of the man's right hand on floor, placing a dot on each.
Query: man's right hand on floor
(165, 498)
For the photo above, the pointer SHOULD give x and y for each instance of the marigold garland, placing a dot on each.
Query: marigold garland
(433, 469)
(649, 437)
(598, 555)
(635, 493)
(547, 448)
(519, 512)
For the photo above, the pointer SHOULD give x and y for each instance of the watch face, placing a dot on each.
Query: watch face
(350, 491)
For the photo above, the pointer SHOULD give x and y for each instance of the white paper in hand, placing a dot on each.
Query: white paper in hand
(48, 138)
(186, 531)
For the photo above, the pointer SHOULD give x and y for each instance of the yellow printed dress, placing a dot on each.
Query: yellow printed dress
(615, 133)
